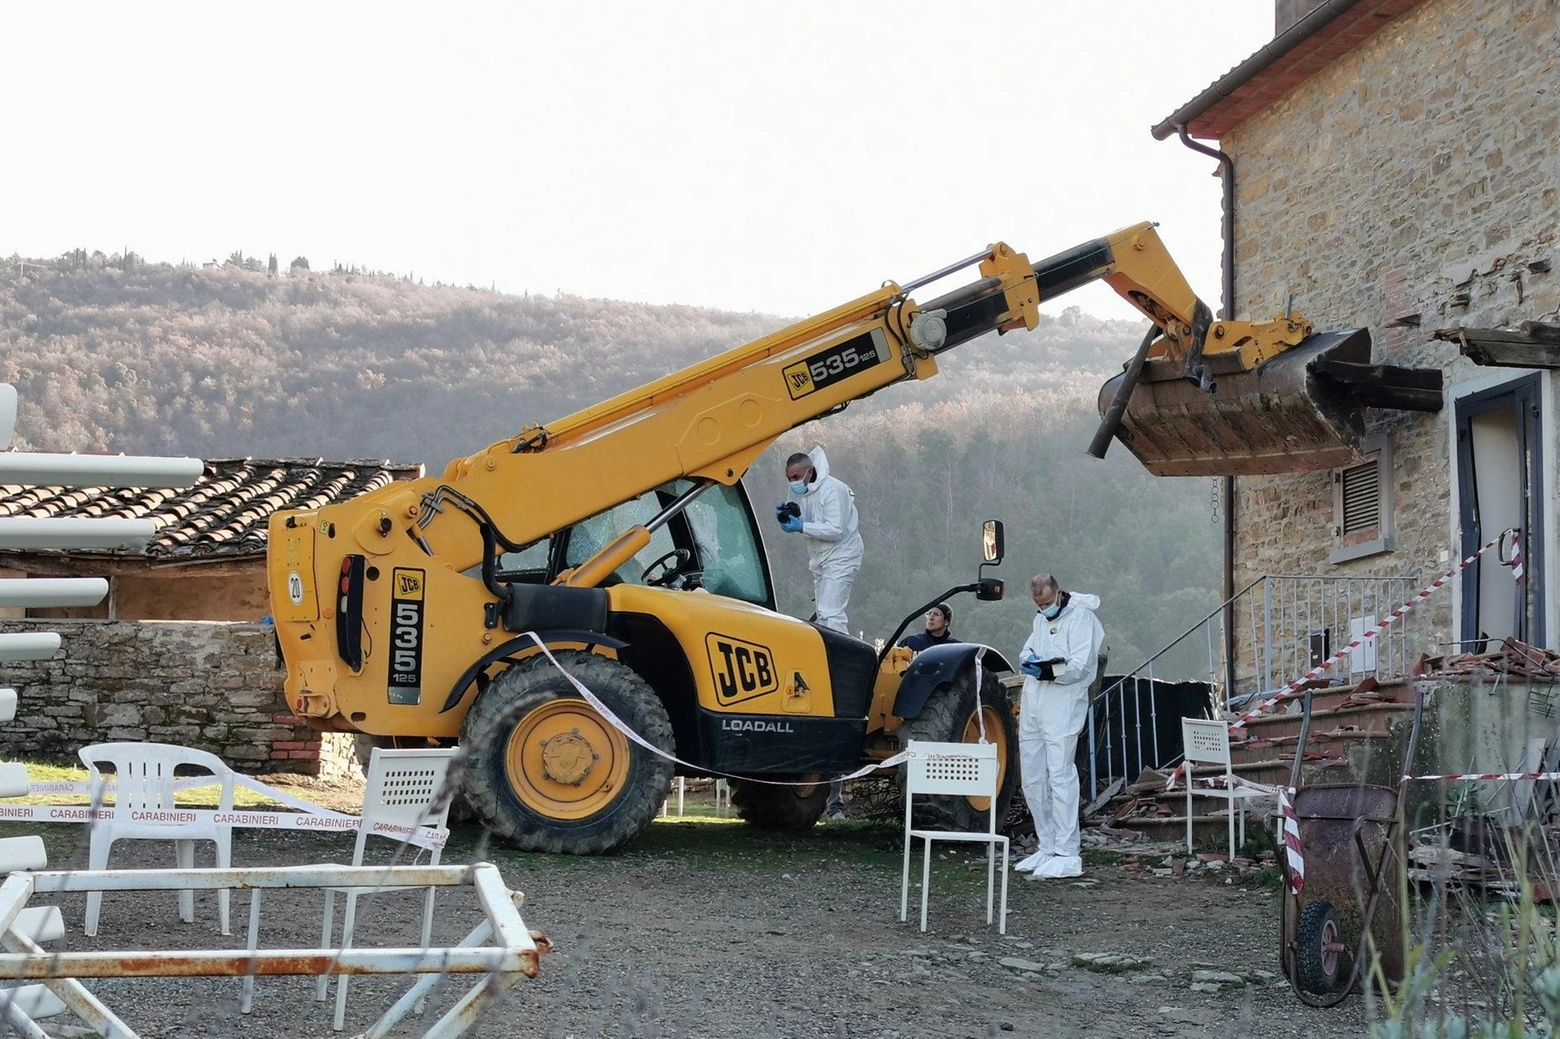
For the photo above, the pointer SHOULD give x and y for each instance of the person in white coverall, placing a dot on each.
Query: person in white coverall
(1058, 661)
(829, 523)
(826, 516)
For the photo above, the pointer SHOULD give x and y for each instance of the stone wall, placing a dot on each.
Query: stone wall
(1406, 187)
(210, 685)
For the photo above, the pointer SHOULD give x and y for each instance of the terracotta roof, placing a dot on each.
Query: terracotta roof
(1331, 30)
(223, 515)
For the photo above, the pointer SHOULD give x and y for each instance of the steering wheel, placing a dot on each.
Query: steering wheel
(672, 562)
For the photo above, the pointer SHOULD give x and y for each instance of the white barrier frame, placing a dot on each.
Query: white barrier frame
(516, 951)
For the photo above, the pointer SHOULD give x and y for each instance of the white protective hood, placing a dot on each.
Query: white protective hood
(829, 521)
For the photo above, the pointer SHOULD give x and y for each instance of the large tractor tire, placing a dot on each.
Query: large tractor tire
(547, 773)
(770, 807)
(949, 716)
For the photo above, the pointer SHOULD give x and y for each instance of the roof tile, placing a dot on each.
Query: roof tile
(224, 514)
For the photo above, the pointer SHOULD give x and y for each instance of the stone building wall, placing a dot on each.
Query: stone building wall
(212, 686)
(1414, 179)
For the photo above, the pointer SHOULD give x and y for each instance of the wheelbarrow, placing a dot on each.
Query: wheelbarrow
(1348, 901)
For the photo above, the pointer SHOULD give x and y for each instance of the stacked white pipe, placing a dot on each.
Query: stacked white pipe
(44, 923)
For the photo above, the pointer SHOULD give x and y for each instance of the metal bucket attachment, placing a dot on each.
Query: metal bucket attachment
(1277, 418)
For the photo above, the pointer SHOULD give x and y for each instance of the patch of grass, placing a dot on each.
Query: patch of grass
(57, 772)
(1270, 878)
(726, 844)
(1107, 968)
(60, 841)
(736, 845)
(1102, 857)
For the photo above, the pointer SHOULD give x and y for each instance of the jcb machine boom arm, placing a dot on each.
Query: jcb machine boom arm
(396, 611)
(711, 420)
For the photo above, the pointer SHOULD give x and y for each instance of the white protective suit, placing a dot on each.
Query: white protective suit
(1051, 715)
(829, 523)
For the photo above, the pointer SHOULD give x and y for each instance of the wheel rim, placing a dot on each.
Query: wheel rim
(995, 735)
(1331, 947)
(564, 761)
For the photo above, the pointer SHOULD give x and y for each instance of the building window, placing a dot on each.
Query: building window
(1362, 504)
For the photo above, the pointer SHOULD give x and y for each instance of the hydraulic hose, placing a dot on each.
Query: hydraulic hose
(1111, 421)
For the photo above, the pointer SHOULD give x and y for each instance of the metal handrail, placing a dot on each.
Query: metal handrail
(1284, 613)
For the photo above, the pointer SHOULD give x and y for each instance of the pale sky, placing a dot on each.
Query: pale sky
(777, 157)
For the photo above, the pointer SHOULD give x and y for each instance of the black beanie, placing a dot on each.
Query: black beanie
(947, 612)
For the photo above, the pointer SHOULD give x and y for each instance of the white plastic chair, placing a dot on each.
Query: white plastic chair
(961, 770)
(144, 784)
(404, 788)
(1208, 742)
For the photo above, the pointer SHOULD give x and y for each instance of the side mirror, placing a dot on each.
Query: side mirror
(991, 542)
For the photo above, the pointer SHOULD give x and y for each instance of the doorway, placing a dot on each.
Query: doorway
(1500, 486)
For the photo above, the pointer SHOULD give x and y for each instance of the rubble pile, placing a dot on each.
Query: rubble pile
(1514, 659)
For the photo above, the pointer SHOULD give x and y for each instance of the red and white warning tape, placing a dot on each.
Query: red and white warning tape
(1294, 851)
(1517, 571)
(618, 724)
(1297, 687)
(1218, 781)
(1497, 777)
(313, 817)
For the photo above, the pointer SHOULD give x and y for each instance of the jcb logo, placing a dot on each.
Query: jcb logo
(742, 670)
(798, 380)
(408, 584)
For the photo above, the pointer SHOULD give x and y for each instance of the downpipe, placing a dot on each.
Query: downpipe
(1227, 291)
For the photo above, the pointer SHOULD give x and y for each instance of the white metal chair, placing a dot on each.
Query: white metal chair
(144, 785)
(960, 770)
(1208, 742)
(404, 793)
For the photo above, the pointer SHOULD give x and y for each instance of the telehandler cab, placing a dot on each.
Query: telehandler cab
(621, 537)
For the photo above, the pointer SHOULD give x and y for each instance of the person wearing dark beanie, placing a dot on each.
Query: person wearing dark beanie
(938, 630)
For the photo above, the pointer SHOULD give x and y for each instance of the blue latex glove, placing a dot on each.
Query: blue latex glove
(1045, 670)
(791, 524)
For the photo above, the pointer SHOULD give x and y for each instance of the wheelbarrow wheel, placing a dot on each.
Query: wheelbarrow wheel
(1319, 948)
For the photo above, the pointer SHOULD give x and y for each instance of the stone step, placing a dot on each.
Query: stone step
(1334, 744)
(1343, 720)
(1206, 827)
(1375, 718)
(1207, 824)
(1331, 697)
(1271, 772)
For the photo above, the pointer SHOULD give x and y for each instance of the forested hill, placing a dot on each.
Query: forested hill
(152, 358)
(228, 361)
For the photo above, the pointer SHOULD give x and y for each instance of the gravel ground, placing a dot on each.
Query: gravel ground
(710, 929)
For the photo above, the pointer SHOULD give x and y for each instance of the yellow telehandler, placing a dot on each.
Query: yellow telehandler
(622, 540)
